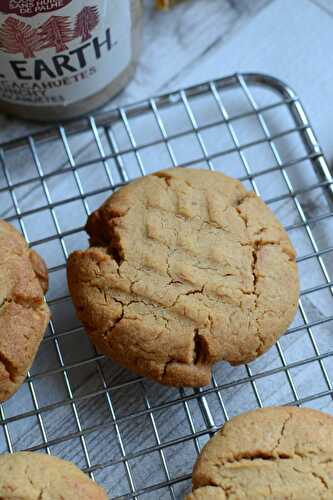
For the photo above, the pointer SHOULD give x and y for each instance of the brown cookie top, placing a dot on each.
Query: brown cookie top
(23, 312)
(281, 453)
(35, 476)
(186, 268)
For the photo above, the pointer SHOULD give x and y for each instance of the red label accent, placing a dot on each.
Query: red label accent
(85, 22)
(16, 37)
(56, 32)
(29, 8)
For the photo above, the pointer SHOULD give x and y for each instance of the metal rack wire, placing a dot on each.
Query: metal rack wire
(136, 438)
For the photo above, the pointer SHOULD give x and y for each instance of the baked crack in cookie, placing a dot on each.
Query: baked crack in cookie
(23, 312)
(281, 453)
(185, 268)
(37, 476)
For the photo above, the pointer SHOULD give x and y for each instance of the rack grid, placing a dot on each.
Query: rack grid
(135, 437)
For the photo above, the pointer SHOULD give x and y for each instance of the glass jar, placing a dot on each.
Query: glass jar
(63, 58)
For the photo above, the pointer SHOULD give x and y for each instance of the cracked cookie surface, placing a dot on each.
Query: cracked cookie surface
(280, 453)
(185, 268)
(36, 476)
(23, 312)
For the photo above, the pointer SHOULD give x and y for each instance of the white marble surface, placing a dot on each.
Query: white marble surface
(201, 40)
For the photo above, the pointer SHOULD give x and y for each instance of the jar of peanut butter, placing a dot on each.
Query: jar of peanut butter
(63, 58)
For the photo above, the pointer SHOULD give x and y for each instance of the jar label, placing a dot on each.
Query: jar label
(58, 52)
(29, 8)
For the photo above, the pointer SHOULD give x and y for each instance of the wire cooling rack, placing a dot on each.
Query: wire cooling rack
(137, 438)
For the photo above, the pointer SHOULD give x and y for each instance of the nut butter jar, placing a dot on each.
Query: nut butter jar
(63, 58)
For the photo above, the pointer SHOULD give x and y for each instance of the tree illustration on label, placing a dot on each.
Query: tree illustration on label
(85, 22)
(17, 37)
(56, 32)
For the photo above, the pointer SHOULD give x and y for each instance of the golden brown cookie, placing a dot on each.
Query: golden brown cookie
(275, 453)
(35, 476)
(185, 268)
(23, 312)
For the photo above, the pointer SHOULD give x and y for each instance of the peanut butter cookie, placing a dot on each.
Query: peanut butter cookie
(281, 453)
(185, 268)
(35, 476)
(23, 312)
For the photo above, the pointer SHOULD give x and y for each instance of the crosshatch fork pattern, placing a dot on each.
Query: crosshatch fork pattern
(139, 439)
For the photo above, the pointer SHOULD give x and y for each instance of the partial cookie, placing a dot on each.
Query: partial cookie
(23, 312)
(185, 268)
(281, 453)
(35, 476)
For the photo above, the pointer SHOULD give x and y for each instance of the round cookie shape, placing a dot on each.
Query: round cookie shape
(23, 312)
(281, 453)
(36, 476)
(185, 268)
